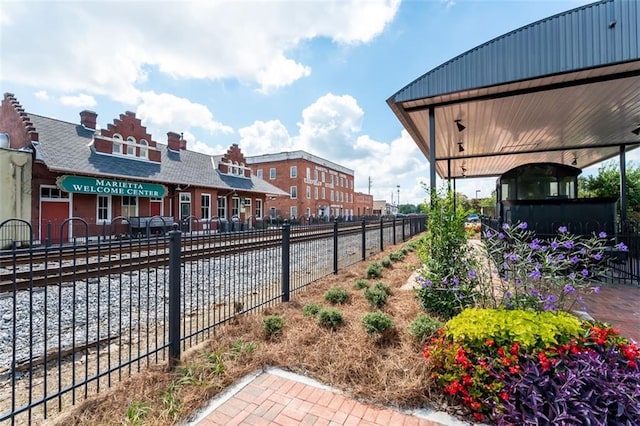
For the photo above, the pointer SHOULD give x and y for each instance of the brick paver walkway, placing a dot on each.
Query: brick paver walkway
(274, 399)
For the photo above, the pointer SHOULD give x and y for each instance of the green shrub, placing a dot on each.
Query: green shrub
(374, 270)
(273, 325)
(330, 318)
(360, 284)
(423, 327)
(311, 309)
(396, 256)
(382, 287)
(503, 326)
(404, 251)
(449, 279)
(386, 262)
(336, 295)
(377, 323)
(377, 297)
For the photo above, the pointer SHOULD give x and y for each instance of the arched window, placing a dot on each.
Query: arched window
(235, 168)
(144, 152)
(131, 145)
(117, 144)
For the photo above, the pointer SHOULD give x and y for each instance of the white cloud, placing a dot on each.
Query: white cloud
(281, 72)
(329, 126)
(249, 41)
(42, 95)
(78, 101)
(266, 138)
(172, 113)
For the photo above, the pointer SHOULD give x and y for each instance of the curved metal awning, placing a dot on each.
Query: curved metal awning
(565, 89)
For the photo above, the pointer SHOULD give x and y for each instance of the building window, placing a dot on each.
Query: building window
(294, 211)
(259, 173)
(294, 192)
(144, 151)
(131, 147)
(129, 206)
(332, 195)
(315, 175)
(272, 212)
(293, 172)
(236, 169)
(324, 197)
(205, 206)
(103, 214)
(308, 211)
(308, 173)
(117, 144)
(315, 193)
(323, 177)
(258, 207)
(308, 192)
(222, 207)
(52, 192)
(272, 173)
(235, 207)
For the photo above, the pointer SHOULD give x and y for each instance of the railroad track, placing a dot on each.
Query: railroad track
(61, 265)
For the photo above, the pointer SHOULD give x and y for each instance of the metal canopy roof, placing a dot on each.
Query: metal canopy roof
(565, 89)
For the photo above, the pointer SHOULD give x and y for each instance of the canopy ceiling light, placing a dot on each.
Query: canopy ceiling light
(459, 125)
(575, 161)
(636, 131)
(460, 147)
(464, 171)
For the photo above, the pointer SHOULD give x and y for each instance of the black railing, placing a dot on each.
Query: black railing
(79, 316)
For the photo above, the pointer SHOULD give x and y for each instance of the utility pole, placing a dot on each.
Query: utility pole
(369, 186)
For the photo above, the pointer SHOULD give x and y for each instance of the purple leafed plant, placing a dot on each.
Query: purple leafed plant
(595, 387)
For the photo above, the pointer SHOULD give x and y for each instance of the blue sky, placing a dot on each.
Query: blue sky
(270, 76)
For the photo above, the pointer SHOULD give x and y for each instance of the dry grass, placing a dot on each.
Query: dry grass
(390, 371)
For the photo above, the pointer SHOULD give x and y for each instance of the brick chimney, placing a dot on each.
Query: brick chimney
(183, 144)
(174, 142)
(88, 119)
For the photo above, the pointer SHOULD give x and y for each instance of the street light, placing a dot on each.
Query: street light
(398, 186)
(477, 190)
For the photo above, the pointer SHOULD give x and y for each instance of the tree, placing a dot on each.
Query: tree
(607, 184)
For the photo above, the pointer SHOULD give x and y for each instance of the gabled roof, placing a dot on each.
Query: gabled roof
(563, 89)
(66, 148)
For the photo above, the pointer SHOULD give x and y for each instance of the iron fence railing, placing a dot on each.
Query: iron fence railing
(79, 316)
(622, 266)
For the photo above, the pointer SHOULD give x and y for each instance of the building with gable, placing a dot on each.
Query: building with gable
(109, 175)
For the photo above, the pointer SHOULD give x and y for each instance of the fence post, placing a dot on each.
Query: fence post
(404, 237)
(175, 239)
(335, 246)
(381, 234)
(286, 249)
(394, 231)
(364, 239)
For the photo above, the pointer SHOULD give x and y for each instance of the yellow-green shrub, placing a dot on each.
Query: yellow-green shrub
(503, 326)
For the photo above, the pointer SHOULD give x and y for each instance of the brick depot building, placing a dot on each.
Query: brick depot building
(317, 188)
(102, 176)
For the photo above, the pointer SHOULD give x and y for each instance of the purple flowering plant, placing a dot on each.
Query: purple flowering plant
(540, 274)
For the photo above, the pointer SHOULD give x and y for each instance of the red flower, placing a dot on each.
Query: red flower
(514, 370)
(489, 342)
(478, 416)
(466, 379)
(476, 406)
(504, 396)
(501, 351)
(514, 348)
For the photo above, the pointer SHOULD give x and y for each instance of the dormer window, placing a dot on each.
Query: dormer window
(236, 170)
(144, 152)
(117, 144)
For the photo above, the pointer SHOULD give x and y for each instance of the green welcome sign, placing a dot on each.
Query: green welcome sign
(107, 186)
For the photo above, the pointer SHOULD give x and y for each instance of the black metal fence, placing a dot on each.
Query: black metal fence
(623, 266)
(76, 318)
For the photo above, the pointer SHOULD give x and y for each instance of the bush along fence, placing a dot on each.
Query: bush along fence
(78, 317)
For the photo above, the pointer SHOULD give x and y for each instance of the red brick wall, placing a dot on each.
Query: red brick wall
(15, 122)
(362, 204)
(283, 181)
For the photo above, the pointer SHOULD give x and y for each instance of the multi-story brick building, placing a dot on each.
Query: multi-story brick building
(362, 204)
(115, 174)
(317, 188)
